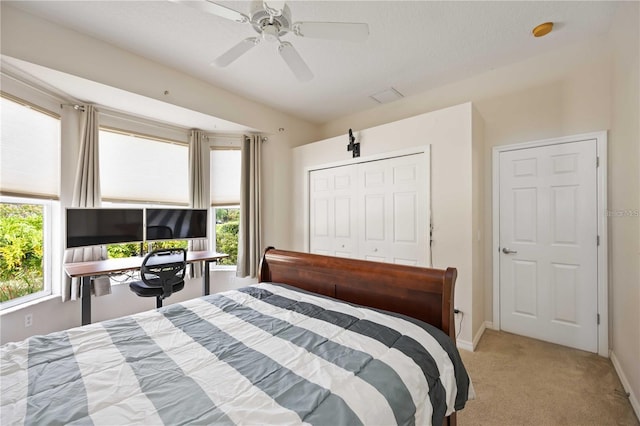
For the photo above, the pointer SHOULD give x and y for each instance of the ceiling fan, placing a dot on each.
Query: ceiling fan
(271, 19)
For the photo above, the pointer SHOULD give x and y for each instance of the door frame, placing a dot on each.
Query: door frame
(420, 149)
(601, 206)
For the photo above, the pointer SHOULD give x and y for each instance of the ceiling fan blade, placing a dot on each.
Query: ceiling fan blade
(215, 9)
(295, 61)
(346, 31)
(236, 51)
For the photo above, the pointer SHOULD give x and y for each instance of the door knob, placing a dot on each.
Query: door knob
(506, 250)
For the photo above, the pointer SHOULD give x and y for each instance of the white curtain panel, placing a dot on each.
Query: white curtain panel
(249, 233)
(86, 193)
(198, 195)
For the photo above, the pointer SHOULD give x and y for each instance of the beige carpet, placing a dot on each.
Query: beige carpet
(522, 381)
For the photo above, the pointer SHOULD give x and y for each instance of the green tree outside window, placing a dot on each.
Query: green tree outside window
(21, 250)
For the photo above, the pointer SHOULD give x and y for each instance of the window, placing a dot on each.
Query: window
(29, 181)
(24, 241)
(225, 201)
(153, 171)
(136, 168)
(30, 150)
(133, 249)
(226, 231)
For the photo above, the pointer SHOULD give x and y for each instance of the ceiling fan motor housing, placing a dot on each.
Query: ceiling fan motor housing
(276, 26)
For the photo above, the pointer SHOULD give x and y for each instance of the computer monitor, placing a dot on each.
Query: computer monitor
(175, 224)
(97, 226)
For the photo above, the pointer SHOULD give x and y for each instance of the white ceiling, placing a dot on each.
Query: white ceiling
(413, 45)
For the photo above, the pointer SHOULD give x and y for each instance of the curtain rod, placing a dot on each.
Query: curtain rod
(75, 106)
(263, 139)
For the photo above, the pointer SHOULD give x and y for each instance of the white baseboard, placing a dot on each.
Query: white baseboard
(471, 346)
(479, 334)
(489, 325)
(633, 398)
(464, 344)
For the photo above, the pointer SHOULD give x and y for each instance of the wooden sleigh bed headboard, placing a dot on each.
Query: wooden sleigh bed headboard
(422, 293)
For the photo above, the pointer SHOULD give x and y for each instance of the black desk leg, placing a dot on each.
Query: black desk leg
(86, 300)
(205, 282)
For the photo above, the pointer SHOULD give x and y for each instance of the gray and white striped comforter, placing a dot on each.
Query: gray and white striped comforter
(264, 354)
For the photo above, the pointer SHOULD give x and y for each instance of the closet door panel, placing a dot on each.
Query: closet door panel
(393, 202)
(376, 210)
(409, 192)
(332, 213)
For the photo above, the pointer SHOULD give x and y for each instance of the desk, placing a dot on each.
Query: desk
(88, 270)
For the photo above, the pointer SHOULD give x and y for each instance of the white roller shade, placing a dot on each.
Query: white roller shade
(134, 168)
(29, 151)
(225, 177)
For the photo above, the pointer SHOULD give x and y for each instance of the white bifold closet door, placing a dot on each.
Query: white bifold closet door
(375, 210)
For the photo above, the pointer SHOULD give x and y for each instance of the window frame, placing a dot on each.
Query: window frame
(213, 240)
(45, 103)
(50, 208)
(222, 143)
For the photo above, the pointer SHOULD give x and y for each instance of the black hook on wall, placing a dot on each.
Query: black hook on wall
(353, 146)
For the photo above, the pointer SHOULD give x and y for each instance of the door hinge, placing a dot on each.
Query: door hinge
(597, 161)
(598, 240)
(598, 315)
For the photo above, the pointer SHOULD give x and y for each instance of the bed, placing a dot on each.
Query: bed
(319, 340)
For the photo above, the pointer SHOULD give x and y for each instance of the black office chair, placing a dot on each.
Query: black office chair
(162, 273)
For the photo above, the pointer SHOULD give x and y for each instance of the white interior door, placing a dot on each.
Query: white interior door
(548, 243)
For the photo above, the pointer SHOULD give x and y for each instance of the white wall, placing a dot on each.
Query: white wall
(449, 133)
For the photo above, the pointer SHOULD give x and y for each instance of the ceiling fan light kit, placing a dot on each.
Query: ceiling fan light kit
(271, 19)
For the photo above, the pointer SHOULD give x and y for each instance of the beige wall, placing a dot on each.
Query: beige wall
(449, 133)
(624, 196)
(478, 213)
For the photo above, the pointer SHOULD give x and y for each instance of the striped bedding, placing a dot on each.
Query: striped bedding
(264, 354)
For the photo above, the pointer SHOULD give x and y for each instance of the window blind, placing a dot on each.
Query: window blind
(29, 151)
(135, 168)
(225, 177)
